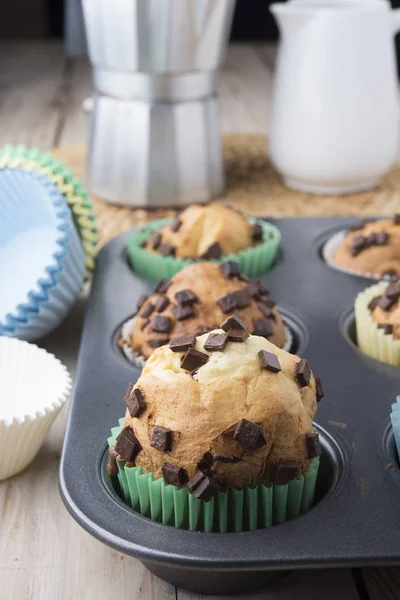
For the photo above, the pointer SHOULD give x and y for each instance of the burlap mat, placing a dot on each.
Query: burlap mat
(252, 186)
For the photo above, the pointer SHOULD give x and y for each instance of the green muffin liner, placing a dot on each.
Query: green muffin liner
(20, 157)
(234, 510)
(253, 262)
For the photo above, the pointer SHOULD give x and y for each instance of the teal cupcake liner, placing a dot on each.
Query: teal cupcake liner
(253, 262)
(247, 509)
(395, 419)
(83, 215)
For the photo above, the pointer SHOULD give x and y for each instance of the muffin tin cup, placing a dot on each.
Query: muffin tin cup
(253, 261)
(328, 253)
(20, 157)
(234, 510)
(371, 340)
(44, 252)
(139, 361)
(21, 436)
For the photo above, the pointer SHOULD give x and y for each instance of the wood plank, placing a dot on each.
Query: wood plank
(74, 122)
(382, 584)
(31, 92)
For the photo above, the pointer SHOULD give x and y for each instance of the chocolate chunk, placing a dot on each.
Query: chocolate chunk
(147, 311)
(193, 359)
(195, 481)
(182, 343)
(374, 303)
(249, 435)
(143, 244)
(233, 322)
(269, 303)
(393, 290)
(112, 466)
(128, 391)
(141, 301)
(230, 269)
(205, 489)
(162, 324)
(313, 445)
(381, 238)
(266, 311)
(238, 335)
(319, 388)
(239, 299)
(174, 475)
(186, 297)
(284, 471)
(157, 343)
(161, 439)
(303, 373)
(359, 244)
(269, 361)
(386, 303)
(144, 325)
(227, 459)
(135, 402)
(167, 250)
(156, 241)
(176, 225)
(252, 290)
(206, 462)
(257, 233)
(162, 286)
(161, 303)
(213, 251)
(127, 446)
(216, 342)
(262, 327)
(387, 328)
(396, 219)
(183, 312)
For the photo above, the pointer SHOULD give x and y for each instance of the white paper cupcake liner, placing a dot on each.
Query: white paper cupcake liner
(371, 340)
(34, 385)
(27, 201)
(139, 361)
(329, 251)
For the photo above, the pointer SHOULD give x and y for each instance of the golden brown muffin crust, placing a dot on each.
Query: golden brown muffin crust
(198, 228)
(209, 285)
(202, 412)
(361, 252)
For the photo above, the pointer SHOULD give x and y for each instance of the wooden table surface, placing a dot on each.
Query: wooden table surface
(44, 553)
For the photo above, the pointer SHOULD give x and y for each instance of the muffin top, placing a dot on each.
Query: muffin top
(212, 413)
(385, 310)
(198, 299)
(205, 232)
(372, 247)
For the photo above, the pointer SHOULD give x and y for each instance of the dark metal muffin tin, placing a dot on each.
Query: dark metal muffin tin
(356, 521)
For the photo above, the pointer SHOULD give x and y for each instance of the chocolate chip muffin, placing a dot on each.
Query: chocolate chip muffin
(205, 232)
(222, 410)
(377, 312)
(197, 299)
(372, 247)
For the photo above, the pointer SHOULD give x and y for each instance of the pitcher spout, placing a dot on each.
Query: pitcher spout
(290, 17)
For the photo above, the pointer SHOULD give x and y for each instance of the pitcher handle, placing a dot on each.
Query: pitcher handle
(396, 20)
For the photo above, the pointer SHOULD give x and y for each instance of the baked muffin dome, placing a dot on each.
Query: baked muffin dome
(385, 310)
(197, 299)
(205, 232)
(239, 412)
(372, 247)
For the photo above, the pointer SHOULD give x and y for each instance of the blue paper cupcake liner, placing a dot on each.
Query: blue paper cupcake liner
(29, 205)
(395, 418)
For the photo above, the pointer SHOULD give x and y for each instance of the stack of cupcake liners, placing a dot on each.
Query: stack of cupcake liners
(234, 510)
(253, 262)
(20, 157)
(34, 387)
(41, 257)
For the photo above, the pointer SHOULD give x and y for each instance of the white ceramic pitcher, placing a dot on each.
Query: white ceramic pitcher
(335, 109)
